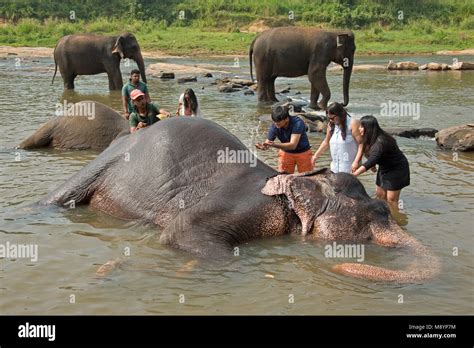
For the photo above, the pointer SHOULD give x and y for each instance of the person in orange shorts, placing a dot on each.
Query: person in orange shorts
(294, 150)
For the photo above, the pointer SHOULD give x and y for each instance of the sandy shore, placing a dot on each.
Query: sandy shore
(37, 52)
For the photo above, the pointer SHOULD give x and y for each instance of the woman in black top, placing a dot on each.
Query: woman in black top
(382, 149)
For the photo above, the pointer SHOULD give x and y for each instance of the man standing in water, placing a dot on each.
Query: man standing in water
(144, 113)
(294, 149)
(133, 83)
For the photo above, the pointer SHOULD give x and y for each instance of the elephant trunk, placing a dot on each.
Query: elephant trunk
(345, 82)
(425, 266)
(141, 66)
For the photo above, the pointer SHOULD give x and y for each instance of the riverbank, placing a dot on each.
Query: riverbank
(40, 52)
(159, 41)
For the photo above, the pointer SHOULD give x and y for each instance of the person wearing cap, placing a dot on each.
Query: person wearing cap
(133, 83)
(294, 150)
(144, 114)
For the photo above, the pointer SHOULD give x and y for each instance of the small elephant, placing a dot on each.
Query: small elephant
(87, 125)
(90, 54)
(208, 193)
(293, 52)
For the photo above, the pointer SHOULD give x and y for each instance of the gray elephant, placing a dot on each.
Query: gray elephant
(293, 51)
(207, 193)
(84, 125)
(90, 54)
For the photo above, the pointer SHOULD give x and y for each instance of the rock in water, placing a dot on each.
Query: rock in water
(412, 132)
(402, 65)
(463, 66)
(187, 79)
(457, 138)
(167, 76)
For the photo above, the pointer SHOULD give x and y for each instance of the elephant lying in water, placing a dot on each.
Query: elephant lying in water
(170, 175)
(84, 125)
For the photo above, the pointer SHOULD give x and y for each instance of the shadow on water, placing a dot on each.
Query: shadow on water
(112, 99)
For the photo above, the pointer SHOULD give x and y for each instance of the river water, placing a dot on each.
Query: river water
(284, 275)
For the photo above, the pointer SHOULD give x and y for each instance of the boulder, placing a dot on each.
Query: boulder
(167, 75)
(315, 123)
(227, 89)
(462, 66)
(457, 138)
(434, 66)
(402, 65)
(237, 81)
(412, 132)
(187, 79)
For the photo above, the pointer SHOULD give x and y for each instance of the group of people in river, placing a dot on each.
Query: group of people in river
(347, 138)
(141, 112)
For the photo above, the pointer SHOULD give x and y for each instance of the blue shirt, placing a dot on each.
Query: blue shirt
(295, 126)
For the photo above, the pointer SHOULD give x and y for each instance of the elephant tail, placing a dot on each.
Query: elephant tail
(424, 267)
(250, 57)
(55, 65)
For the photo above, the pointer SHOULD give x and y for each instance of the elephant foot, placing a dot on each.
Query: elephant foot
(314, 106)
(266, 102)
(323, 105)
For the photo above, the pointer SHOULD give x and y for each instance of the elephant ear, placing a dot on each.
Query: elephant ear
(118, 47)
(307, 197)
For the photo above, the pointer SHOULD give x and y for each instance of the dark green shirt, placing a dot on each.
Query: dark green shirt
(152, 110)
(128, 88)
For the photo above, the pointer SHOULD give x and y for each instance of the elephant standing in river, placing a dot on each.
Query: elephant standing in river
(206, 203)
(293, 52)
(90, 54)
(87, 125)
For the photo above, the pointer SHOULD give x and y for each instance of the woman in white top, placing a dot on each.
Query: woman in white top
(343, 138)
(188, 104)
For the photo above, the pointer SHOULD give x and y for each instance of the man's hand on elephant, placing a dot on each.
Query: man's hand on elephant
(126, 114)
(165, 112)
(141, 125)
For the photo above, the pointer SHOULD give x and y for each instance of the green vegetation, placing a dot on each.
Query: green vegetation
(215, 26)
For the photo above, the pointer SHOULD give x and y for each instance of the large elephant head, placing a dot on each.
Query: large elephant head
(337, 207)
(127, 47)
(344, 55)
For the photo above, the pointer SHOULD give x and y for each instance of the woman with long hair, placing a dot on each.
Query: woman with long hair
(188, 104)
(381, 148)
(343, 139)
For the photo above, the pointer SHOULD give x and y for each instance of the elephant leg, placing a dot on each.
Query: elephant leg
(263, 93)
(118, 81)
(69, 81)
(317, 76)
(271, 90)
(314, 97)
(115, 78)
